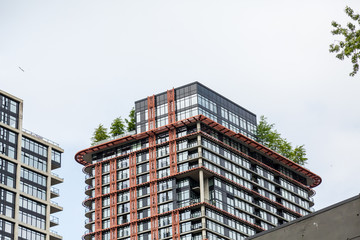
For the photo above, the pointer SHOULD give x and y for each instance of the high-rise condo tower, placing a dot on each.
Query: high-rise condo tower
(191, 170)
(26, 178)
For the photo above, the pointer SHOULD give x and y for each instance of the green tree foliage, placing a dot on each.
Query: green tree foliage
(350, 46)
(100, 134)
(131, 122)
(269, 137)
(117, 127)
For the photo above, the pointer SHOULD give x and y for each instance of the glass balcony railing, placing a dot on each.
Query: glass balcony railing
(54, 219)
(55, 191)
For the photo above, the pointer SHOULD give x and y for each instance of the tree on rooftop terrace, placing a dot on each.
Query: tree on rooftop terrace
(269, 137)
(350, 46)
(100, 133)
(117, 127)
(131, 122)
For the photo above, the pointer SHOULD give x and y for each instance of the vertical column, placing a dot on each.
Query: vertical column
(198, 126)
(153, 187)
(133, 197)
(171, 105)
(173, 158)
(151, 112)
(172, 151)
(175, 225)
(98, 201)
(172, 132)
(113, 200)
(202, 199)
(18, 171)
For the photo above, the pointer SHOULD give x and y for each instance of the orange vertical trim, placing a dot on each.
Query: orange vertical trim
(153, 187)
(132, 169)
(154, 210)
(172, 132)
(175, 225)
(113, 199)
(98, 236)
(151, 112)
(133, 197)
(133, 231)
(98, 201)
(172, 151)
(171, 105)
(98, 180)
(152, 157)
(113, 234)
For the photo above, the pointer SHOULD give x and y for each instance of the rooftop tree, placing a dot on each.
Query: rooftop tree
(100, 133)
(131, 123)
(117, 127)
(269, 137)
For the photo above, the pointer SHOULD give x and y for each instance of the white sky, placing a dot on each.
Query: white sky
(86, 62)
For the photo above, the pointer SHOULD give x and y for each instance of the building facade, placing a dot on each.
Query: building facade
(26, 177)
(192, 170)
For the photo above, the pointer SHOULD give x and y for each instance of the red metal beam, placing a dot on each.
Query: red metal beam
(151, 112)
(175, 225)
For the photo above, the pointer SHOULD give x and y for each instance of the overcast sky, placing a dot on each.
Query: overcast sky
(86, 62)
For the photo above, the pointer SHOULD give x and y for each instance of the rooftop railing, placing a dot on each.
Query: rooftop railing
(116, 137)
(40, 137)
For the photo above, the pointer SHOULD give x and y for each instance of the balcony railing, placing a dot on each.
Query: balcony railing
(54, 219)
(56, 175)
(87, 176)
(88, 187)
(116, 137)
(88, 210)
(54, 203)
(188, 202)
(55, 190)
(40, 137)
(193, 144)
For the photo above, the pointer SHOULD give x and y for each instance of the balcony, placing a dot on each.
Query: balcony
(54, 235)
(188, 202)
(54, 207)
(55, 165)
(54, 221)
(55, 179)
(54, 192)
(88, 223)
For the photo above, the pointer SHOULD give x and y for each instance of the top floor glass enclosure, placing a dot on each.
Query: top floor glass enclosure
(194, 99)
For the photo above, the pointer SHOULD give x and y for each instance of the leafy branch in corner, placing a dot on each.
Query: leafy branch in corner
(350, 46)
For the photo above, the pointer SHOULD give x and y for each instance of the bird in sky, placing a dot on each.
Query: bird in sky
(21, 69)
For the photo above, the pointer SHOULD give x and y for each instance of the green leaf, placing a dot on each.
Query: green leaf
(351, 44)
